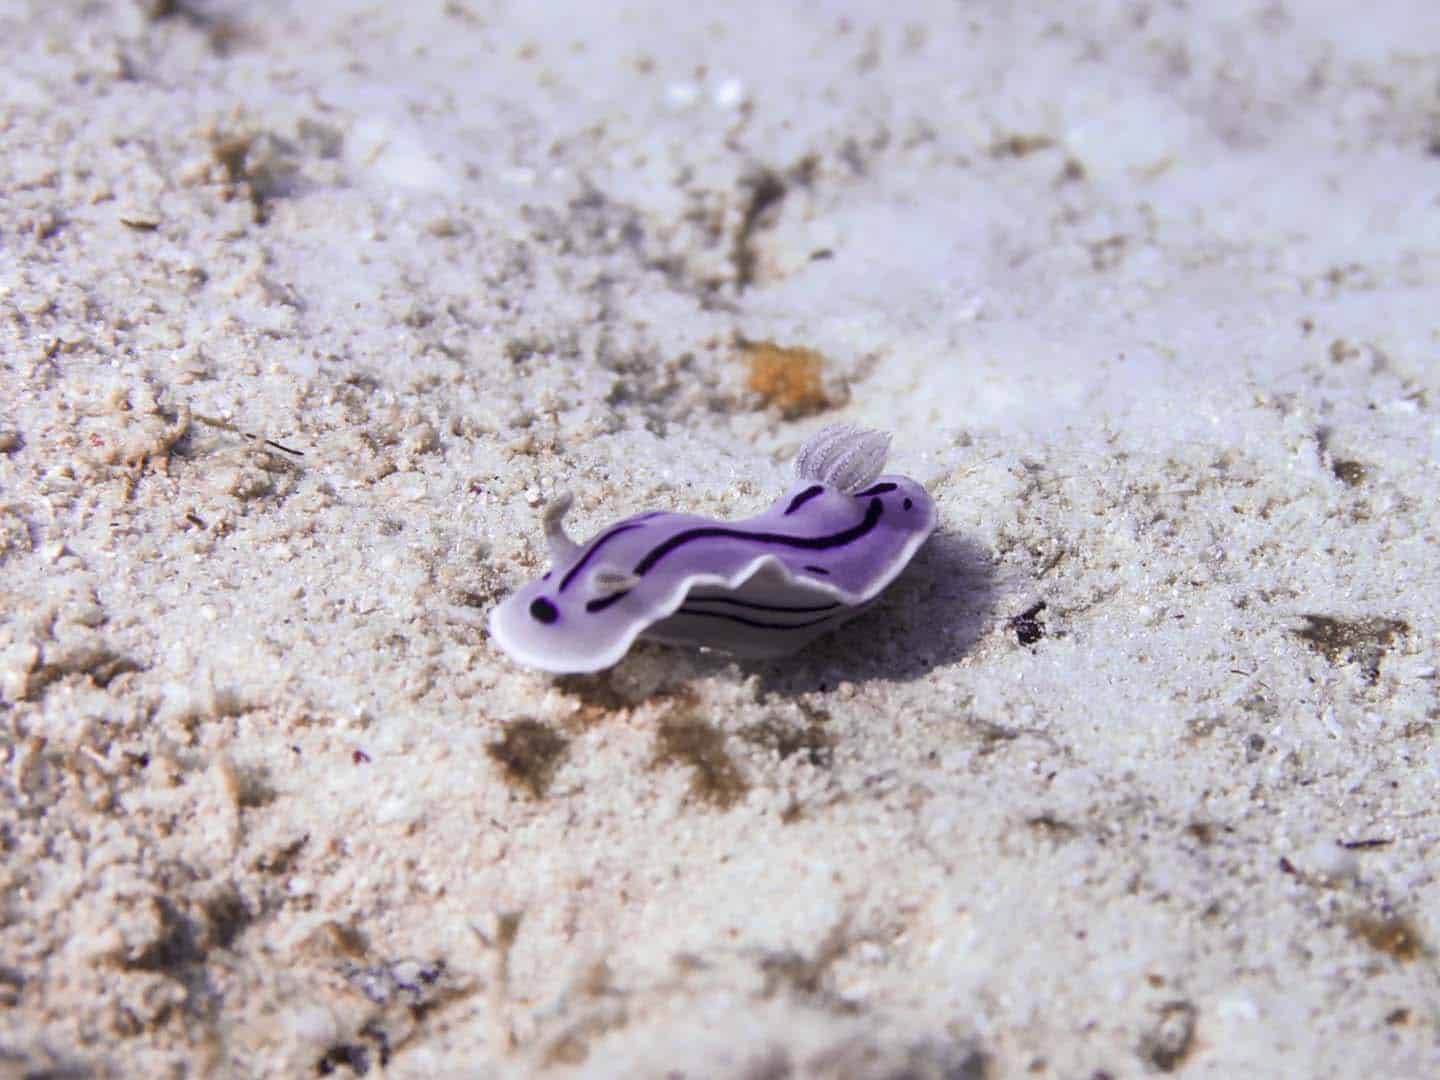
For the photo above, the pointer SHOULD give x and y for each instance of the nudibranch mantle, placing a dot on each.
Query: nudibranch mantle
(762, 587)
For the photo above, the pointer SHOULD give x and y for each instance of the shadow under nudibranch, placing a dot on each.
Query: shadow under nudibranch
(932, 616)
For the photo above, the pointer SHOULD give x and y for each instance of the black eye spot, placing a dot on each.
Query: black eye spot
(543, 610)
(909, 503)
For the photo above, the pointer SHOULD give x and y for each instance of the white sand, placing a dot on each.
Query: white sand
(1149, 297)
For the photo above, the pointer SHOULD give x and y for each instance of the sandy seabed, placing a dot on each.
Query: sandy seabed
(306, 309)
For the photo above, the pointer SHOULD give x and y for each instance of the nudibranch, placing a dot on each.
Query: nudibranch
(763, 587)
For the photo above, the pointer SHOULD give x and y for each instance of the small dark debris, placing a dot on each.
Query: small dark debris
(1202, 831)
(332, 938)
(1349, 473)
(992, 735)
(273, 445)
(507, 929)
(763, 190)
(260, 165)
(1393, 935)
(1344, 350)
(688, 963)
(1053, 827)
(716, 779)
(528, 755)
(351, 1056)
(1397, 1017)
(786, 740)
(381, 1040)
(1287, 867)
(472, 599)
(820, 254)
(281, 858)
(226, 915)
(1254, 747)
(1204, 726)
(196, 520)
(140, 224)
(597, 693)
(255, 786)
(416, 985)
(805, 171)
(1107, 253)
(1019, 146)
(808, 977)
(1364, 845)
(1357, 641)
(518, 350)
(1168, 1044)
(269, 444)
(1027, 625)
(360, 757)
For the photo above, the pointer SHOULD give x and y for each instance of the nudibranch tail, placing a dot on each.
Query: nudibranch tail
(844, 457)
(762, 587)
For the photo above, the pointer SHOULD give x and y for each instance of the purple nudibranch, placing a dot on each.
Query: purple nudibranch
(763, 587)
